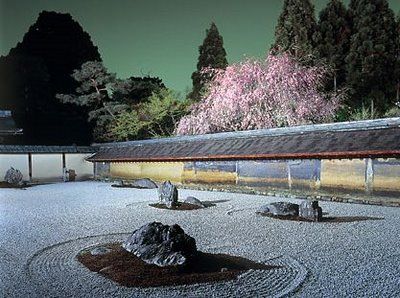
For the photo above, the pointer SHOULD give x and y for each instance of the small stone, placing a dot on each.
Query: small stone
(194, 201)
(13, 176)
(168, 194)
(100, 250)
(161, 245)
(279, 209)
(105, 269)
(224, 269)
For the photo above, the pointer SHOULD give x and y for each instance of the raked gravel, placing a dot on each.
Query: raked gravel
(42, 229)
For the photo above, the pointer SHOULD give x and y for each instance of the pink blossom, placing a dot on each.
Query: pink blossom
(256, 94)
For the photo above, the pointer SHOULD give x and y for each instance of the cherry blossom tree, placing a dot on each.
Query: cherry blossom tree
(257, 94)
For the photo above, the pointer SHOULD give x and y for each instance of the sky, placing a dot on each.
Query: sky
(157, 37)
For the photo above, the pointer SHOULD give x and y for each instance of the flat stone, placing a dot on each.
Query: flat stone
(100, 250)
(144, 183)
(279, 209)
(161, 245)
(194, 201)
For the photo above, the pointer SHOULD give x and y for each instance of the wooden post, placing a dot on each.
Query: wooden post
(369, 175)
(30, 166)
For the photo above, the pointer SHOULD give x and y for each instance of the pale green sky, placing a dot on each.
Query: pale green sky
(156, 37)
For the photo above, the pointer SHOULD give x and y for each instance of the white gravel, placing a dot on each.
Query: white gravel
(43, 227)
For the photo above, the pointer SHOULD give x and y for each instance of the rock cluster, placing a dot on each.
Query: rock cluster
(13, 176)
(144, 183)
(280, 209)
(161, 245)
(308, 210)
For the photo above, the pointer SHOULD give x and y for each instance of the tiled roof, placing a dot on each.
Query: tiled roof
(374, 138)
(46, 149)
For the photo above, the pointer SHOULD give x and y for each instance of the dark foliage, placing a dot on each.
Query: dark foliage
(372, 56)
(334, 40)
(136, 89)
(296, 30)
(41, 66)
(211, 54)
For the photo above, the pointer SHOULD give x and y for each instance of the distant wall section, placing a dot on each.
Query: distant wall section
(364, 176)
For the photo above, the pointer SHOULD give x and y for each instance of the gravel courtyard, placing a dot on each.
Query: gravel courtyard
(43, 227)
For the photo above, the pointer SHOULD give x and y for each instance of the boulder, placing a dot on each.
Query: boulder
(13, 176)
(161, 245)
(194, 201)
(144, 183)
(310, 210)
(168, 194)
(279, 209)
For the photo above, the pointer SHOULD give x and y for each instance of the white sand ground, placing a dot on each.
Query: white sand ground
(43, 227)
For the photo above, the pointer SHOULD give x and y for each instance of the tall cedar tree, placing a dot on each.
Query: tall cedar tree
(334, 40)
(397, 74)
(211, 55)
(296, 30)
(372, 56)
(56, 45)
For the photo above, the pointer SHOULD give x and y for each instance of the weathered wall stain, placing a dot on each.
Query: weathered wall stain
(366, 175)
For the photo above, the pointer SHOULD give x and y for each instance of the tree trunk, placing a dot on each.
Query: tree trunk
(334, 83)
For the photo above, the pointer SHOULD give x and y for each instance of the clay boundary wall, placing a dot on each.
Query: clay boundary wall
(376, 181)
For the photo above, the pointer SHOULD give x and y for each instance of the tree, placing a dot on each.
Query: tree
(211, 54)
(136, 89)
(261, 94)
(397, 71)
(334, 39)
(372, 55)
(296, 29)
(95, 92)
(61, 45)
(156, 117)
(24, 81)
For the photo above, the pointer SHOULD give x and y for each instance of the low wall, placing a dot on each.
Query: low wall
(342, 176)
(48, 167)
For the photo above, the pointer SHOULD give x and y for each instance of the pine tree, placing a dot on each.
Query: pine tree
(296, 29)
(95, 92)
(211, 54)
(372, 55)
(334, 39)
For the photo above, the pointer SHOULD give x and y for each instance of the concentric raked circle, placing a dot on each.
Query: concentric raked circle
(54, 271)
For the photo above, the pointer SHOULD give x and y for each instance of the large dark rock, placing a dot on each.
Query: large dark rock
(279, 209)
(161, 245)
(13, 176)
(168, 194)
(310, 210)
